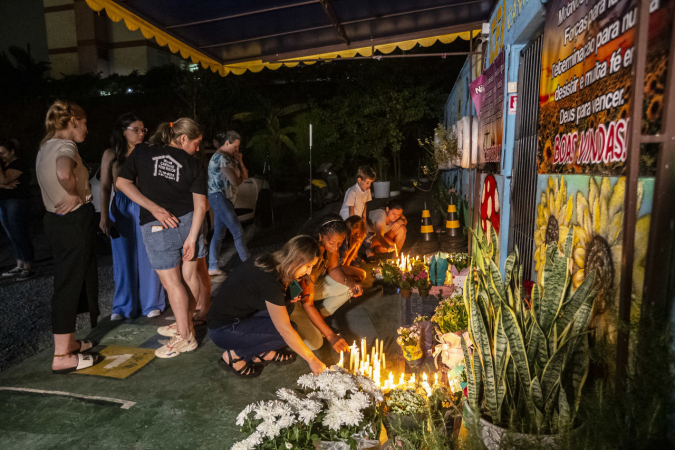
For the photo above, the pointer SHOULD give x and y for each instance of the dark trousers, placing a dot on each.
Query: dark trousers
(73, 241)
(248, 337)
(14, 217)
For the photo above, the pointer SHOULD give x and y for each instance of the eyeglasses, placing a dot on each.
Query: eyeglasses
(138, 130)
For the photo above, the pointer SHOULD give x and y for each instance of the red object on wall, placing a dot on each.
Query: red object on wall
(489, 204)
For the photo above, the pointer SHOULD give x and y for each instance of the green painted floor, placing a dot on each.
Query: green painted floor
(180, 403)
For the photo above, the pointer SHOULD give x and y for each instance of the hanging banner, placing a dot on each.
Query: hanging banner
(586, 80)
(487, 93)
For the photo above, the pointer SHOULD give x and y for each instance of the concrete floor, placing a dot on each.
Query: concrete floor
(184, 402)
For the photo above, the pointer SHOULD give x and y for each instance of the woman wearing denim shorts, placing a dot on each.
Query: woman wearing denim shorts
(169, 184)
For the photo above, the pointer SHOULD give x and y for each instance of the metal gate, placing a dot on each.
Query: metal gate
(524, 182)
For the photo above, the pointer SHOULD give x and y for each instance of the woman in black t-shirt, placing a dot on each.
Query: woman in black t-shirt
(15, 208)
(169, 185)
(249, 316)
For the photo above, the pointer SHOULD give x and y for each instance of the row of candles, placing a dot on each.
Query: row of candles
(374, 365)
(405, 263)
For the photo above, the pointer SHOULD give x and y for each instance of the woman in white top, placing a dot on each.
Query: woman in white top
(70, 226)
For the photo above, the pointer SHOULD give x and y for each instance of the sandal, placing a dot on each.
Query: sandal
(281, 358)
(248, 370)
(84, 361)
(85, 346)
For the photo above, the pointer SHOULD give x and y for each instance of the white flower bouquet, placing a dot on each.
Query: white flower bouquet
(409, 341)
(334, 406)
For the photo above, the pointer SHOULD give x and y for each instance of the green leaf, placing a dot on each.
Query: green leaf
(472, 376)
(579, 362)
(508, 267)
(576, 300)
(564, 418)
(517, 348)
(555, 287)
(551, 374)
(569, 240)
(501, 359)
(495, 285)
(483, 348)
(537, 403)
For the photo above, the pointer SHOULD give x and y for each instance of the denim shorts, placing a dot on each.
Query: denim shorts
(165, 247)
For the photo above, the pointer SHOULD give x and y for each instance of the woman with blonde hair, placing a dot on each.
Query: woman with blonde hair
(169, 185)
(249, 317)
(137, 287)
(70, 226)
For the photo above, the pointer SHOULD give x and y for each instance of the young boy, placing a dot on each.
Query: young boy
(387, 228)
(358, 195)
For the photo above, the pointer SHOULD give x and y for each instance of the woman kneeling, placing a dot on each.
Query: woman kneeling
(249, 317)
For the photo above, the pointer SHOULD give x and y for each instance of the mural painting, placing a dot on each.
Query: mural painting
(593, 208)
(489, 202)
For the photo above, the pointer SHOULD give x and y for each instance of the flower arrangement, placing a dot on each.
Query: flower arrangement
(420, 319)
(409, 341)
(459, 260)
(420, 275)
(405, 402)
(334, 406)
(406, 281)
(450, 315)
(391, 274)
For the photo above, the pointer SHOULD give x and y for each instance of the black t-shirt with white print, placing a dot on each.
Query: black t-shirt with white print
(166, 175)
(245, 292)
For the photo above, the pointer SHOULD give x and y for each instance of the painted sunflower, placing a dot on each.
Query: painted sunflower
(553, 220)
(598, 233)
(655, 107)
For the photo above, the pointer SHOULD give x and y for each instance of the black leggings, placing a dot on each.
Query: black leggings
(73, 241)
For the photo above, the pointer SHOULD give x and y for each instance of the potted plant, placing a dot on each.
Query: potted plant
(333, 410)
(527, 368)
(405, 408)
(405, 284)
(409, 341)
(421, 278)
(391, 277)
(451, 321)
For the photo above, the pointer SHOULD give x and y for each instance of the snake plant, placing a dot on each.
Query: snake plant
(527, 367)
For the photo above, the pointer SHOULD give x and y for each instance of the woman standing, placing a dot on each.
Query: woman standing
(249, 316)
(15, 208)
(170, 187)
(137, 286)
(226, 173)
(330, 288)
(70, 226)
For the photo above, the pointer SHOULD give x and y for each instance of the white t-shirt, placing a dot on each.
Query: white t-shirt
(45, 169)
(379, 217)
(357, 198)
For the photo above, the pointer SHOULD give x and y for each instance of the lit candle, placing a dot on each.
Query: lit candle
(424, 377)
(382, 349)
(412, 379)
(384, 365)
(436, 379)
(363, 347)
(351, 360)
(401, 380)
(356, 360)
(342, 359)
(391, 379)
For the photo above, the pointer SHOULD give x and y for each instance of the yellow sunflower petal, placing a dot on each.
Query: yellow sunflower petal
(615, 228)
(562, 235)
(578, 278)
(544, 198)
(568, 211)
(580, 236)
(641, 239)
(579, 256)
(616, 201)
(597, 225)
(604, 218)
(638, 280)
(588, 223)
(616, 260)
(605, 189)
(582, 205)
(539, 237)
(640, 192)
(592, 191)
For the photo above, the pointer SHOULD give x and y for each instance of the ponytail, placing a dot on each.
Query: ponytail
(168, 132)
(58, 116)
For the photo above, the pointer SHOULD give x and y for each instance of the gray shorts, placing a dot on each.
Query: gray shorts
(165, 247)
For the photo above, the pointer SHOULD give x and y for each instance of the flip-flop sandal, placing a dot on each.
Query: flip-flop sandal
(248, 370)
(85, 345)
(84, 361)
(281, 358)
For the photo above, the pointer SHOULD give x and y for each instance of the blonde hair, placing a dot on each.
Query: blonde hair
(58, 116)
(296, 253)
(366, 173)
(168, 132)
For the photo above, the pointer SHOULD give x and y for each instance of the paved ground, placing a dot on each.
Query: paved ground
(136, 401)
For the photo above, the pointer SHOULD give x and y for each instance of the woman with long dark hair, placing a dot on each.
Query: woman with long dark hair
(249, 318)
(330, 287)
(169, 184)
(70, 226)
(15, 208)
(137, 287)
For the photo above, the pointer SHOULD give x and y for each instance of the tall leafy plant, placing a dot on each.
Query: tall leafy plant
(527, 368)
